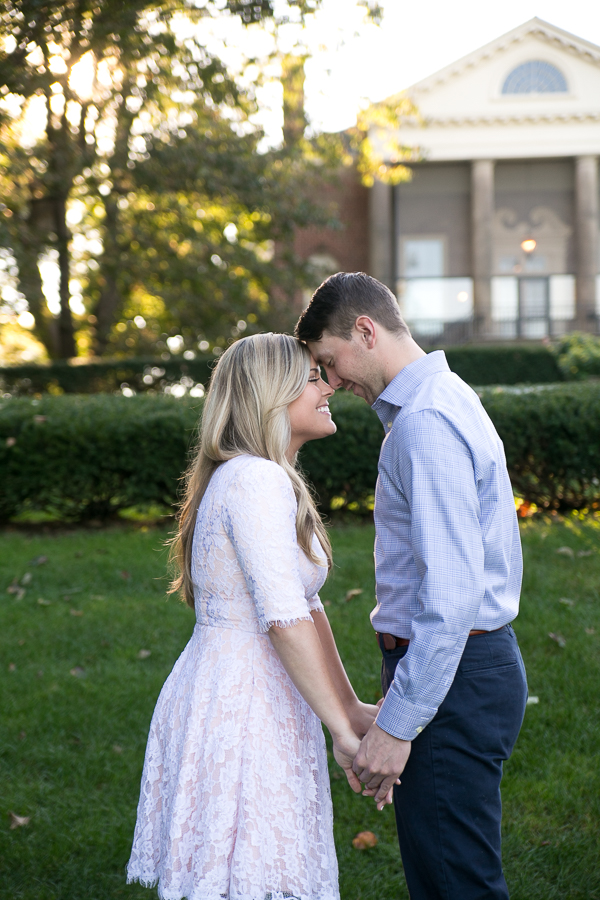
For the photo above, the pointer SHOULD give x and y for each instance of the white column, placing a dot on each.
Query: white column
(381, 234)
(482, 217)
(586, 237)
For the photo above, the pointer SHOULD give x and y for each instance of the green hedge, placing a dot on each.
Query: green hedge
(88, 457)
(497, 364)
(141, 374)
(517, 364)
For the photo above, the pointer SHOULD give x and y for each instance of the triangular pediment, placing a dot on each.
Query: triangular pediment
(486, 90)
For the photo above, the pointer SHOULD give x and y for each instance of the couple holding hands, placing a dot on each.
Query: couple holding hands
(235, 801)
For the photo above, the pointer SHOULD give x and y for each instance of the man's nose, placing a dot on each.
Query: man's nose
(334, 381)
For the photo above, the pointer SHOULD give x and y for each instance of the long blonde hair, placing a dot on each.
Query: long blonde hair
(246, 412)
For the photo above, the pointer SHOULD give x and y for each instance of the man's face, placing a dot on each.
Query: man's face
(349, 364)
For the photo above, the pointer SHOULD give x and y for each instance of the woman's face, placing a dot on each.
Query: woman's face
(309, 413)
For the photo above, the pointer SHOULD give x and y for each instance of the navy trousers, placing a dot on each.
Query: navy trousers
(448, 807)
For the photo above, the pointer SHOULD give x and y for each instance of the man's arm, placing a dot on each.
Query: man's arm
(434, 470)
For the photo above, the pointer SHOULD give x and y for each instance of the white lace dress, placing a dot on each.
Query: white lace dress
(235, 800)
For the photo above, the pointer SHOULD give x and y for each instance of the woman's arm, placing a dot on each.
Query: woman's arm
(361, 715)
(301, 653)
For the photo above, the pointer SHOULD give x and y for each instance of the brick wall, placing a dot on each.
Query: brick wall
(349, 246)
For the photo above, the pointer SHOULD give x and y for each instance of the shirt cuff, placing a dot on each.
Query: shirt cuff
(401, 718)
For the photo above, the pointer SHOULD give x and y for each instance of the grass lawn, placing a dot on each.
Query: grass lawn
(77, 696)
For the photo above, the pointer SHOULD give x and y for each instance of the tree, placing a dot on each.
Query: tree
(130, 156)
(116, 109)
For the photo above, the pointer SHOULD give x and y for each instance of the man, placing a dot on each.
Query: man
(448, 569)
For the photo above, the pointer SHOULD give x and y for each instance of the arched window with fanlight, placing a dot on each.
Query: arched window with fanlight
(535, 77)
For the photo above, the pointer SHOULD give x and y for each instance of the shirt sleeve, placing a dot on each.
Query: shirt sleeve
(435, 471)
(260, 522)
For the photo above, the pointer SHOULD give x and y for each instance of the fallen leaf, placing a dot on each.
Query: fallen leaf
(40, 419)
(364, 840)
(40, 673)
(353, 593)
(18, 821)
(12, 667)
(76, 612)
(16, 589)
(327, 603)
(566, 602)
(22, 735)
(21, 642)
(558, 638)
(565, 551)
(43, 602)
(144, 654)
(117, 748)
(125, 574)
(590, 631)
(11, 441)
(96, 597)
(532, 701)
(78, 672)
(38, 561)
(545, 844)
(26, 579)
(585, 553)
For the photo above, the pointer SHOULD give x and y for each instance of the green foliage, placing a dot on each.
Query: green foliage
(91, 456)
(475, 365)
(497, 364)
(343, 468)
(73, 745)
(578, 356)
(104, 376)
(153, 143)
(551, 437)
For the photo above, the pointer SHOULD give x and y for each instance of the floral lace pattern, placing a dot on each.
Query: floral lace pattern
(235, 801)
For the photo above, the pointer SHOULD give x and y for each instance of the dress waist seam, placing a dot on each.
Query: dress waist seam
(229, 627)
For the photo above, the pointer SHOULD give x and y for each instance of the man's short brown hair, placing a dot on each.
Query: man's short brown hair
(341, 299)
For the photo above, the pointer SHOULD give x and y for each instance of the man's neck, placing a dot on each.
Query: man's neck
(400, 354)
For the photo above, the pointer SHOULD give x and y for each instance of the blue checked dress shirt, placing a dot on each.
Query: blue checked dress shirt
(447, 552)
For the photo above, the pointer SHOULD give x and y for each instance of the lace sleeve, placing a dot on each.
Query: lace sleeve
(260, 521)
(315, 604)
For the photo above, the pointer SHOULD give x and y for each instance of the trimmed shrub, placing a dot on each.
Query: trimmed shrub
(551, 437)
(141, 374)
(85, 457)
(513, 364)
(578, 356)
(517, 364)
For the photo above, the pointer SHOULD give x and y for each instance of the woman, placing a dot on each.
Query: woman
(235, 799)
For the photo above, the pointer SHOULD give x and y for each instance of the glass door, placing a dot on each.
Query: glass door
(534, 313)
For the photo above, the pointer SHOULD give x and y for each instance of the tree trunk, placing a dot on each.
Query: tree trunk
(66, 336)
(109, 303)
(26, 247)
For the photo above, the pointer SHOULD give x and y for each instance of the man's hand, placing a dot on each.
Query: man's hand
(380, 761)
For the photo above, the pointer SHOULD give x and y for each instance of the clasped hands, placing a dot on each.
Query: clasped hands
(378, 759)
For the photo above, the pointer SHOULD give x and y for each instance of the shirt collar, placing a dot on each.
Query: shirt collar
(409, 378)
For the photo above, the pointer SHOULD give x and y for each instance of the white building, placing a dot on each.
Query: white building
(496, 236)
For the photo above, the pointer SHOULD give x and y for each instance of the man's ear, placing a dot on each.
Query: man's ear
(366, 331)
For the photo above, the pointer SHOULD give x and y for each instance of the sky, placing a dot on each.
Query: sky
(414, 40)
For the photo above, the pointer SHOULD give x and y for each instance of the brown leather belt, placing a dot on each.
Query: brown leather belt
(390, 641)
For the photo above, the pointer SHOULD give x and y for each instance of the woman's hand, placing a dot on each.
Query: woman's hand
(362, 716)
(345, 749)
